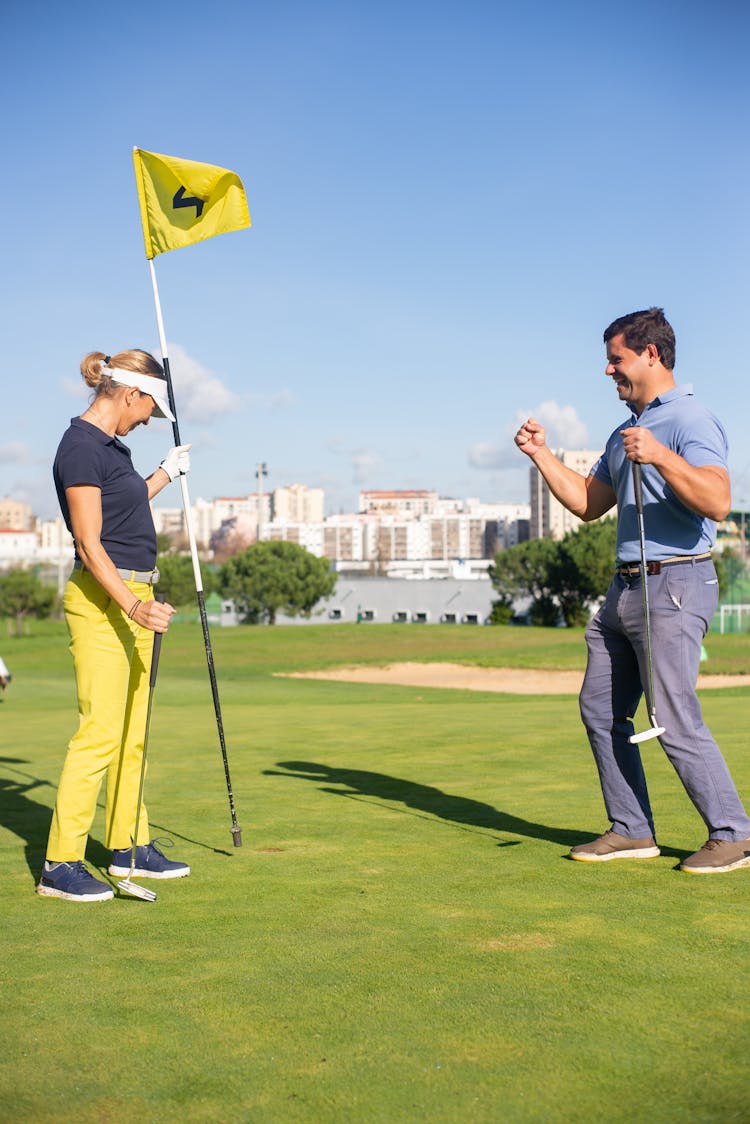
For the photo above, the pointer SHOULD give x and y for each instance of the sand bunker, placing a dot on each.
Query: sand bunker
(514, 681)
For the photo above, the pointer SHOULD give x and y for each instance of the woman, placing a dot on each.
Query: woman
(111, 616)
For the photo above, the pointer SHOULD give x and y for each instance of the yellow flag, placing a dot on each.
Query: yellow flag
(184, 202)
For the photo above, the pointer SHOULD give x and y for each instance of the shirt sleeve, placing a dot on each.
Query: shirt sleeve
(601, 471)
(706, 444)
(80, 463)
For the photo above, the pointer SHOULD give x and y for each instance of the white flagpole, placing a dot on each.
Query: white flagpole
(235, 829)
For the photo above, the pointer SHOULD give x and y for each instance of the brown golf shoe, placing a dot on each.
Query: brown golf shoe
(717, 856)
(612, 845)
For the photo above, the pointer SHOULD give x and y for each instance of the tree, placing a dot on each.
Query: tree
(177, 580)
(583, 569)
(501, 612)
(526, 571)
(272, 577)
(563, 579)
(730, 570)
(23, 595)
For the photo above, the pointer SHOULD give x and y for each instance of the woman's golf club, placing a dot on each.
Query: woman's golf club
(656, 730)
(127, 886)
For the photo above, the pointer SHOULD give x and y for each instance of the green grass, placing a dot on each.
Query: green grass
(401, 937)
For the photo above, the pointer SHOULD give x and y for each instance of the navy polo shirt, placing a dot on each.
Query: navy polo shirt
(692, 431)
(88, 455)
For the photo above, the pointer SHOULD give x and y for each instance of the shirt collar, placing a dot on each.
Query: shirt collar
(683, 390)
(97, 433)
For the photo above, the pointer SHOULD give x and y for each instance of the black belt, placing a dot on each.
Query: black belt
(633, 569)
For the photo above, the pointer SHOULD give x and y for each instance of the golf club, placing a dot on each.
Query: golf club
(126, 885)
(656, 730)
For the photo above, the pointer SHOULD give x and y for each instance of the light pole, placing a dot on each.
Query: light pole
(260, 471)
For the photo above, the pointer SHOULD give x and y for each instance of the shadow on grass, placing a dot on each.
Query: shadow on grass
(425, 800)
(30, 820)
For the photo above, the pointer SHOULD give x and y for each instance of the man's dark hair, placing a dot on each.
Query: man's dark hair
(642, 328)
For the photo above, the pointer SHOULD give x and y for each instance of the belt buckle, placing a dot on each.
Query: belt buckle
(155, 575)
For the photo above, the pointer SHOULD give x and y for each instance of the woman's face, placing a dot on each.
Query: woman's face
(137, 410)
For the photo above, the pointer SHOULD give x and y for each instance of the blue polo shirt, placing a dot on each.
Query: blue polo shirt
(88, 455)
(680, 423)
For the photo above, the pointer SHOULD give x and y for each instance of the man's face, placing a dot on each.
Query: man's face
(632, 373)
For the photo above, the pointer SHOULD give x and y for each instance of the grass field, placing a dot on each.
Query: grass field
(401, 937)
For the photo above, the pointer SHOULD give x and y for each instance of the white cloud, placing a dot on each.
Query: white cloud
(282, 400)
(364, 462)
(277, 401)
(492, 455)
(199, 393)
(15, 452)
(75, 387)
(564, 430)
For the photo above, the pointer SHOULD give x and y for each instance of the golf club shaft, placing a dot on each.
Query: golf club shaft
(151, 684)
(638, 491)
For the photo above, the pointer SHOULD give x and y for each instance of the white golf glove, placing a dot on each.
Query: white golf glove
(177, 461)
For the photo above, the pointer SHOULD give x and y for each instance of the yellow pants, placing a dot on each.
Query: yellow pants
(112, 659)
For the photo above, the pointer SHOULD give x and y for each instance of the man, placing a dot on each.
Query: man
(683, 451)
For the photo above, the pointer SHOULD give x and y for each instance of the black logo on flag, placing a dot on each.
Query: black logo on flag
(181, 200)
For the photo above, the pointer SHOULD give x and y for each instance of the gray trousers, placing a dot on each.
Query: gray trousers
(682, 601)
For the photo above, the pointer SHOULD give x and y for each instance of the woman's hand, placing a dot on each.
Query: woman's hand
(177, 461)
(154, 615)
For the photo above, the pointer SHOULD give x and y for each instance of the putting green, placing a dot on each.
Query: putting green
(401, 937)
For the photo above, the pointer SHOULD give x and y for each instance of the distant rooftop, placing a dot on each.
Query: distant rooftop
(399, 495)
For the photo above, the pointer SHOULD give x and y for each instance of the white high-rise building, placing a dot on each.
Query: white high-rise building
(54, 539)
(296, 503)
(15, 516)
(549, 519)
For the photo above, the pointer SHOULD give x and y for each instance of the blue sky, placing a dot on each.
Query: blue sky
(450, 203)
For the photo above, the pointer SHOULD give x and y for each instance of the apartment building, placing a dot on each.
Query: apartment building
(208, 516)
(426, 545)
(298, 504)
(549, 519)
(16, 547)
(55, 541)
(403, 504)
(15, 516)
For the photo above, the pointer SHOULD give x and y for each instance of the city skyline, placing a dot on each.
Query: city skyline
(390, 529)
(448, 209)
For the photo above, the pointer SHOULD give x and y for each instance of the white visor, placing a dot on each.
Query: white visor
(157, 388)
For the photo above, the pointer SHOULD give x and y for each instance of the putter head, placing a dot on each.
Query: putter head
(135, 891)
(646, 735)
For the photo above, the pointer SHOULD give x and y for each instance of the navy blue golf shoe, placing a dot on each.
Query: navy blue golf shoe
(149, 863)
(72, 882)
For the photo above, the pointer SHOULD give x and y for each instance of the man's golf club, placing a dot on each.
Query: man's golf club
(656, 730)
(127, 886)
